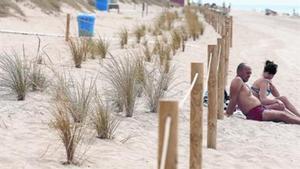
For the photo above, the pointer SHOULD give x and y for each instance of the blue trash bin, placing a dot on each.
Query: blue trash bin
(86, 24)
(102, 5)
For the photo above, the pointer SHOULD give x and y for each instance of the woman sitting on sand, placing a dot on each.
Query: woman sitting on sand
(263, 87)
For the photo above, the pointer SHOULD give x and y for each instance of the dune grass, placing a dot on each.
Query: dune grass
(104, 123)
(123, 35)
(15, 74)
(79, 50)
(71, 134)
(47, 6)
(121, 75)
(37, 78)
(146, 51)
(139, 32)
(165, 21)
(164, 53)
(102, 47)
(176, 39)
(77, 96)
(140, 74)
(194, 26)
(6, 6)
(50, 6)
(157, 82)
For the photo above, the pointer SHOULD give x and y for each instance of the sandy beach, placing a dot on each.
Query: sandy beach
(27, 142)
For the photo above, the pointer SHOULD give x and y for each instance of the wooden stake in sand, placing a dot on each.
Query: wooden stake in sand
(227, 50)
(231, 25)
(212, 102)
(68, 27)
(196, 118)
(168, 109)
(210, 50)
(221, 80)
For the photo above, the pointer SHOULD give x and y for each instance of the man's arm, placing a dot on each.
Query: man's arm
(235, 88)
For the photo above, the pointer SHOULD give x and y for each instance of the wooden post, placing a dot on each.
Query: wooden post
(227, 50)
(231, 29)
(210, 50)
(196, 118)
(221, 80)
(212, 102)
(67, 28)
(168, 108)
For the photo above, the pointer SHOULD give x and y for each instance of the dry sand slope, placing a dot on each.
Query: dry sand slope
(26, 142)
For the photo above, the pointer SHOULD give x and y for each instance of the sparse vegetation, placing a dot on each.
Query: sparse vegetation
(156, 83)
(37, 78)
(77, 51)
(139, 32)
(104, 123)
(47, 6)
(140, 75)
(165, 20)
(175, 40)
(123, 35)
(121, 75)
(75, 96)
(195, 27)
(6, 6)
(147, 52)
(102, 47)
(15, 74)
(164, 53)
(50, 6)
(70, 133)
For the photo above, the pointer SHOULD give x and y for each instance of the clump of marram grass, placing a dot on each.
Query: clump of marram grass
(37, 78)
(102, 46)
(156, 84)
(104, 123)
(15, 74)
(70, 133)
(115, 98)
(156, 31)
(86, 47)
(139, 32)
(147, 52)
(91, 48)
(164, 53)
(165, 20)
(175, 40)
(157, 46)
(77, 51)
(123, 35)
(77, 96)
(195, 27)
(121, 75)
(140, 75)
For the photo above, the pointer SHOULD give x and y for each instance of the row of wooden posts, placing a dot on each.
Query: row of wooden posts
(218, 59)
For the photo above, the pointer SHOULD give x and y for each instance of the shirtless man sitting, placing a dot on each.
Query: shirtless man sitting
(241, 95)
